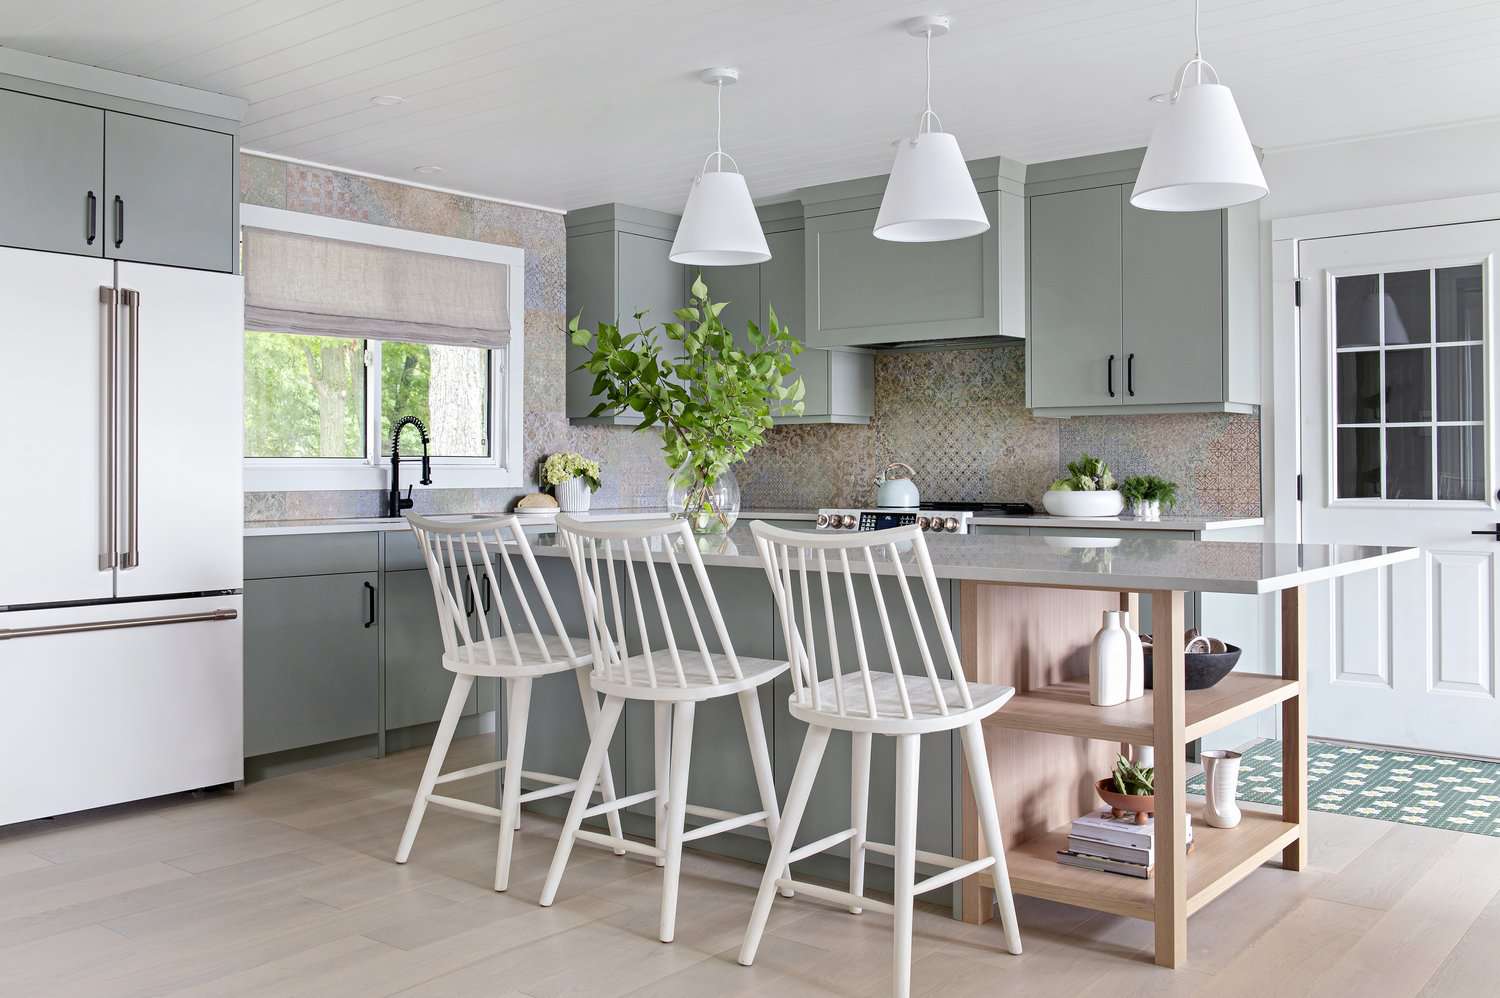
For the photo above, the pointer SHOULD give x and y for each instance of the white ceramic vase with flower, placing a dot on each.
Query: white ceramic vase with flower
(574, 479)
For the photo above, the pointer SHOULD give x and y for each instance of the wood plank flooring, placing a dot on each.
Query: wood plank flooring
(287, 888)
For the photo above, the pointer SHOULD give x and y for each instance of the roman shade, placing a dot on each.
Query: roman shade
(329, 287)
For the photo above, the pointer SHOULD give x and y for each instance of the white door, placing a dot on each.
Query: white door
(1398, 410)
(53, 356)
(183, 524)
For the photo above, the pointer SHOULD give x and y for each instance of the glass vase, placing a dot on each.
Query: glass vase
(709, 506)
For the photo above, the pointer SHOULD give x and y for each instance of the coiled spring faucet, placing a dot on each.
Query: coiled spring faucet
(397, 501)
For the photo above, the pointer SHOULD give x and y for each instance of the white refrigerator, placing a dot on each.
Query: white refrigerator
(121, 517)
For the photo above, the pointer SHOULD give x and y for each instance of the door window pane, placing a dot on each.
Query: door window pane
(304, 396)
(1408, 468)
(446, 387)
(1408, 386)
(1355, 314)
(1359, 387)
(1408, 314)
(1359, 464)
(1460, 462)
(1460, 383)
(1460, 304)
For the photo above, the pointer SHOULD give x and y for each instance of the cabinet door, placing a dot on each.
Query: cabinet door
(739, 287)
(1076, 313)
(416, 684)
(169, 193)
(312, 657)
(51, 175)
(1174, 305)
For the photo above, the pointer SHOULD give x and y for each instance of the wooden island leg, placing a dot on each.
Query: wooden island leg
(1169, 724)
(1294, 724)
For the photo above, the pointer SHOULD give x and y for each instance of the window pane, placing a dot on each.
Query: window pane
(1460, 462)
(1408, 468)
(1460, 385)
(1408, 386)
(1359, 387)
(1408, 314)
(1359, 464)
(1354, 310)
(1460, 311)
(304, 396)
(446, 387)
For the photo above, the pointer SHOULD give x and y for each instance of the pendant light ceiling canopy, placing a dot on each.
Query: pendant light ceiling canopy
(1200, 157)
(930, 195)
(719, 227)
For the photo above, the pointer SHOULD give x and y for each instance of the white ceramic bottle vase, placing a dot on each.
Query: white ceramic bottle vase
(1221, 775)
(1109, 663)
(1135, 686)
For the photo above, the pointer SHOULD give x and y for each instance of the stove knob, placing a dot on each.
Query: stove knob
(921, 523)
(822, 519)
(847, 522)
(951, 524)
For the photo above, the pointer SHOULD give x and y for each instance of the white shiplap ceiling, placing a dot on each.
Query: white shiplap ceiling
(573, 102)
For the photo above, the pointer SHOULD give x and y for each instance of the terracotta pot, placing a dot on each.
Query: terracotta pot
(1142, 806)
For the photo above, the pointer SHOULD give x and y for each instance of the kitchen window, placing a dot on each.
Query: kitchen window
(431, 327)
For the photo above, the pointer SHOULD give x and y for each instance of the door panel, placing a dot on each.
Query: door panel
(53, 162)
(53, 340)
(187, 467)
(416, 684)
(175, 186)
(1398, 447)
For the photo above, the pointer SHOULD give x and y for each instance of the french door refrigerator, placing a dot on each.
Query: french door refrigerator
(120, 541)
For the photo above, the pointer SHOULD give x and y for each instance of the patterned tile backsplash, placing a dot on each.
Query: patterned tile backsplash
(958, 417)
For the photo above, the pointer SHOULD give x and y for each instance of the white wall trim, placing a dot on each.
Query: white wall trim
(1415, 215)
(404, 183)
(124, 85)
(504, 469)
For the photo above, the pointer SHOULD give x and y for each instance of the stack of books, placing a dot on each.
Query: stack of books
(1098, 841)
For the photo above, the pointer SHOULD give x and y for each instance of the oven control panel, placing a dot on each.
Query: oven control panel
(934, 521)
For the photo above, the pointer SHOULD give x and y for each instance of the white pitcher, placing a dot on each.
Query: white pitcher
(1135, 686)
(1221, 774)
(1109, 663)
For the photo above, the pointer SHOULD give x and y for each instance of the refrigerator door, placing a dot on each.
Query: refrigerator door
(116, 702)
(53, 363)
(181, 504)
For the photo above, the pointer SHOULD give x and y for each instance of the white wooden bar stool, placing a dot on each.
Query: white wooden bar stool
(458, 561)
(673, 681)
(867, 703)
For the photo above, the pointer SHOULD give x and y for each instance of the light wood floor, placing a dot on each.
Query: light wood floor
(287, 888)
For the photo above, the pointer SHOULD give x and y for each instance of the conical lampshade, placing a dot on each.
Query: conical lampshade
(1200, 157)
(930, 195)
(719, 227)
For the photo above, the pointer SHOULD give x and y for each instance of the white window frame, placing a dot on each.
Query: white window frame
(502, 469)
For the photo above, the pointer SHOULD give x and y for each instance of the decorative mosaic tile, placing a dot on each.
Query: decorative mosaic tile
(263, 181)
(1408, 787)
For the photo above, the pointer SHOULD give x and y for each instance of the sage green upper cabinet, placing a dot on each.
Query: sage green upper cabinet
(51, 174)
(618, 266)
(864, 291)
(1134, 310)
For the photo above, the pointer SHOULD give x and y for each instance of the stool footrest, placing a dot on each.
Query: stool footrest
(458, 804)
(464, 774)
(923, 856)
(821, 845)
(625, 845)
(724, 825)
(615, 805)
(841, 898)
(552, 790)
(952, 874)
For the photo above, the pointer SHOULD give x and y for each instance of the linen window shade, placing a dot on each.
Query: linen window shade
(330, 287)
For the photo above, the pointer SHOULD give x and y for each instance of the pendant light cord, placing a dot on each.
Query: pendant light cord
(1197, 62)
(928, 114)
(718, 156)
(1197, 41)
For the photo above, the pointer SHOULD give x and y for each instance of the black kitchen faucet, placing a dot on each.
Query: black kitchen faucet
(397, 502)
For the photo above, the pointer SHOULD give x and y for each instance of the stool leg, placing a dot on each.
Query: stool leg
(760, 758)
(607, 778)
(609, 716)
(518, 702)
(781, 846)
(682, 753)
(981, 783)
(859, 814)
(908, 756)
(662, 746)
(451, 713)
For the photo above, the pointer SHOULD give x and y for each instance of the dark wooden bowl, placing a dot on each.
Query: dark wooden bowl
(1204, 669)
(1141, 806)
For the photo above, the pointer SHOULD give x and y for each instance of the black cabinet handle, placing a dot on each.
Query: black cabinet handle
(369, 605)
(91, 206)
(485, 592)
(119, 221)
(1489, 533)
(1111, 375)
(468, 602)
(1130, 375)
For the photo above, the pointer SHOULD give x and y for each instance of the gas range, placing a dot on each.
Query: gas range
(933, 517)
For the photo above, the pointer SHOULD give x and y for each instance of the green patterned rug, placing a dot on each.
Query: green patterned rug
(1433, 790)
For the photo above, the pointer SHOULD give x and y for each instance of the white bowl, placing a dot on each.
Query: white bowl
(1083, 503)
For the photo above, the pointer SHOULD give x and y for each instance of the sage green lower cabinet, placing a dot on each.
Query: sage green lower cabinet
(311, 663)
(416, 684)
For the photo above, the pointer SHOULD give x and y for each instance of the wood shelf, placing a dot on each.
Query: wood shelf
(1064, 709)
(1220, 859)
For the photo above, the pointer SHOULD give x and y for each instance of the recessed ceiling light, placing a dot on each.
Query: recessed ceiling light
(387, 100)
(429, 169)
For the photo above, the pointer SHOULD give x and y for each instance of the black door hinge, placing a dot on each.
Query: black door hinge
(1297, 293)
(1299, 488)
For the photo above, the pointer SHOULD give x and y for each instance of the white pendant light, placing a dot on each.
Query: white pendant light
(930, 195)
(1200, 157)
(719, 227)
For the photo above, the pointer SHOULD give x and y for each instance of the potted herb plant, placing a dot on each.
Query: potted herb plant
(712, 403)
(1130, 789)
(1148, 495)
(1088, 489)
(573, 477)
